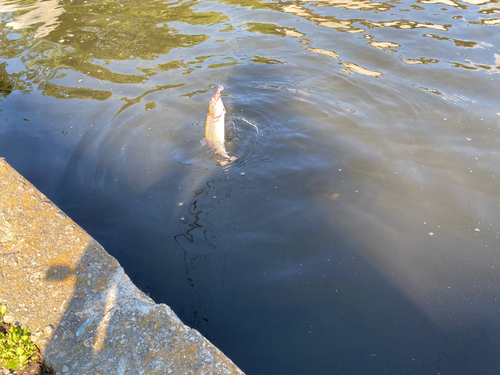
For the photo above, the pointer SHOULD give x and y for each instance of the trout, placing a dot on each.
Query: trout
(214, 129)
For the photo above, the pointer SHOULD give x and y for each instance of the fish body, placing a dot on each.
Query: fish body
(214, 128)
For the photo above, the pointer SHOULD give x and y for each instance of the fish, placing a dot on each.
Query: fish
(214, 129)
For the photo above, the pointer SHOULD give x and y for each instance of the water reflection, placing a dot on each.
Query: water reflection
(87, 37)
(6, 85)
(46, 12)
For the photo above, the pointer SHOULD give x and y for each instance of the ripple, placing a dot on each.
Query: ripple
(258, 143)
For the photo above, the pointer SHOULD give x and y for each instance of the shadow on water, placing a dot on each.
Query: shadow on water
(364, 323)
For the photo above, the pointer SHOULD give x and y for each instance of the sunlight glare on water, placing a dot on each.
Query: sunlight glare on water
(357, 233)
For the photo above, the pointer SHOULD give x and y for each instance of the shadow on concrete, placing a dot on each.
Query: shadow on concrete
(80, 335)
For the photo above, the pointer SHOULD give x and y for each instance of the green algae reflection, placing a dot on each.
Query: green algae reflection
(88, 36)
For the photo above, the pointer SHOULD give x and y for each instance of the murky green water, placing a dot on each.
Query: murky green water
(358, 231)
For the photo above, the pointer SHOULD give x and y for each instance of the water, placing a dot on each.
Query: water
(358, 231)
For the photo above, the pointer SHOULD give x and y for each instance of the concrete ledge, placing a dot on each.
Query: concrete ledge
(85, 314)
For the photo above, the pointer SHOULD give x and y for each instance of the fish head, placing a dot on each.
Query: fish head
(217, 94)
(216, 108)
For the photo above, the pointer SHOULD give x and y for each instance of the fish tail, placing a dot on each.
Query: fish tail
(228, 160)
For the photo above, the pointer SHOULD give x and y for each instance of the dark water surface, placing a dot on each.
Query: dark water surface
(358, 231)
